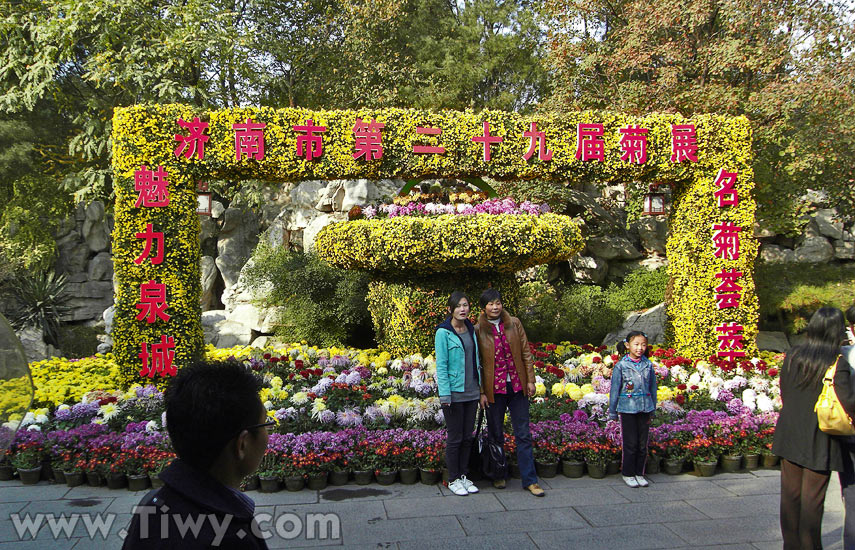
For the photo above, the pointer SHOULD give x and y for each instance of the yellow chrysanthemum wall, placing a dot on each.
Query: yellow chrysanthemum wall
(145, 135)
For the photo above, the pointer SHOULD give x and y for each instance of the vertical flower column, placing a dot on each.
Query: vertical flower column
(157, 327)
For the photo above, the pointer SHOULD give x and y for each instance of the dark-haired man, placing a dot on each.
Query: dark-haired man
(218, 427)
(507, 382)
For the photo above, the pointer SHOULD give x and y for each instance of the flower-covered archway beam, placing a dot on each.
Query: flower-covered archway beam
(162, 152)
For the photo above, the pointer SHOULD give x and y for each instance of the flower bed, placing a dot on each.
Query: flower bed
(346, 409)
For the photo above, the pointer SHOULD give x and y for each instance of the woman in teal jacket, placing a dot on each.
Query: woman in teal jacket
(458, 379)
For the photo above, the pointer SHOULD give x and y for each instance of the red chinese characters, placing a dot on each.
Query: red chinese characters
(152, 304)
(151, 187)
(487, 140)
(537, 140)
(726, 193)
(249, 139)
(633, 144)
(728, 291)
(684, 143)
(589, 142)
(308, 144)
(153, 239)
(157, 358)
(726, 240)
(422, 149)
(730, 340)
(368, 141)
(194, 143)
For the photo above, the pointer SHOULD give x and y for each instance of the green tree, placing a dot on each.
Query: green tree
(788, 66)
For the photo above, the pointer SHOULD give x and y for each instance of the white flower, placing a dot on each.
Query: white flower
(268, 405)
(28, 419)
(695, 379)
(151, 426)
(41, 419)
(63, 407)
(108, 411)
(300, 398)
(764, 404)
(34, 428)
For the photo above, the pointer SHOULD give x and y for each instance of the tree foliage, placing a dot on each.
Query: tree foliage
(788, 66)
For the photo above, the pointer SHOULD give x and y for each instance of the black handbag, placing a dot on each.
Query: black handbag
(486, 460)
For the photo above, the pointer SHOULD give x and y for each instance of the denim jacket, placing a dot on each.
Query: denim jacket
(450, 361)
(633, 387)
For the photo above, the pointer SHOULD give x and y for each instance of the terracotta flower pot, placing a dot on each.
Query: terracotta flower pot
(363, 477)
(674, 466)
(138, 482)
(705, 468)
(30, 476)
(409, 476)
(731, 463)
(770, 461)
(94, 479)
(339, 477)
(572, 468)
(752, 461)
(292, 483)
(387, 477)
(6, 472)
(270, 484)
(74, 479)
(317, 481)
(596, 470)
(116, 481)
(429, 477)
(546, 469)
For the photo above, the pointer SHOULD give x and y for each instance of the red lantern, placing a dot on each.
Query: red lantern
(654, 202)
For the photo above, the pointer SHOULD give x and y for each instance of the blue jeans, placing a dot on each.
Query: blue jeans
(517, 404)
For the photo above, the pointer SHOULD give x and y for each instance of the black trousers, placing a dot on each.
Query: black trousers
(802, 500)
(635, 429)
(460, 429)
(847, 488)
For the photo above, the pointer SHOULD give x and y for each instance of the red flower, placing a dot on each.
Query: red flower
(694, 387)
(298, 364)
(681, 386)
(596, 360)
(274, 359)
(680, 399)
(773, 372)
(266, 356)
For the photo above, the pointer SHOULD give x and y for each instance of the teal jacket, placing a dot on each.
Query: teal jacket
(450, 361)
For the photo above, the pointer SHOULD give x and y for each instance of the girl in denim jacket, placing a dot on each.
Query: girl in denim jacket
(633, 396)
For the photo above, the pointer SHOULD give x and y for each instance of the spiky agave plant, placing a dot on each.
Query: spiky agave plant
(40, 301)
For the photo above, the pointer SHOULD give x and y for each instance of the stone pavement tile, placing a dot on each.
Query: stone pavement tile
(523, 500)
(638, 512)
(7, 508)
(511, 541)
(42, 491)
(640, 537)
(84, 491)
(62, 544)
(661, 492)
(486, 486)
(734, 507)
(723, 547)
(755, 486)
(442, 506)
(561, 482)
(363, 510)
(399, 530)
(123, 504)
(767, 473)
(378, 492)
(283, 497)
(518, 521)
(755, 528)
(68, 506)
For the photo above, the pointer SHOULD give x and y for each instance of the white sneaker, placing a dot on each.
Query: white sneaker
(630, 481)
(642, 482)
(470, 487)
(458, 488)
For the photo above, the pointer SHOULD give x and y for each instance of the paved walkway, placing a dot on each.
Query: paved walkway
(727, 512)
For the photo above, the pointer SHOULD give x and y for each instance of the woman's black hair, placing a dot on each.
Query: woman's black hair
(850, 315)
(623, 346)
(489, 295)
(824, 338)
(454, 299)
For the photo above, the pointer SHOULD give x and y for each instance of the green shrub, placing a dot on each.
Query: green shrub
(791, 295)
(321, 304)
(641, 289)
(39, 300)
(405, 312)
(78, 341)
(537, 191)
(581, 313)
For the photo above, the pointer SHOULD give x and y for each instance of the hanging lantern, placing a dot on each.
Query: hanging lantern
(204, 200)
(654, 202)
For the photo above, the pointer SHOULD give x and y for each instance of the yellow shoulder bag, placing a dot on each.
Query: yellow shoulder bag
(831, 415)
